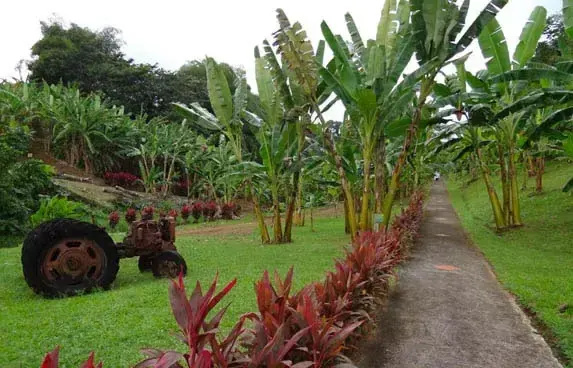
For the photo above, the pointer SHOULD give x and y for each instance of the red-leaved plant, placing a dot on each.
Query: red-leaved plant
(228, 211)
(147, 213)
(51, 360)
(130, 215)
(123, 179)
(209, 210)
(197, 331)
(185, 212)
(173, 213)
(197, 210)
(113, 218)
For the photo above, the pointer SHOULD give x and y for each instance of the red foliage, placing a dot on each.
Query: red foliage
(173, 213)
(209, 210)
(197, 331)
(197, 210)
(185, 212)
(228, 211)
(123, 179)
(51, 360)
(147, 213)
(130, 215)
(113, 218)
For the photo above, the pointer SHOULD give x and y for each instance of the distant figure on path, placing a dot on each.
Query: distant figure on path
(436, 176)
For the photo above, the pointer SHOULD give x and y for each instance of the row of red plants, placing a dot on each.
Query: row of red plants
(314, 327)
(123, 179)
(208, 210)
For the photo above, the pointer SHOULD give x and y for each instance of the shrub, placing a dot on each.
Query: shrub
(147, 213)
(228, 211)
(113, 219)
(173, 213)
(58, 207)
(130, 215)
(122, 179)
(209, 210)
(197, 210)
(185, 212)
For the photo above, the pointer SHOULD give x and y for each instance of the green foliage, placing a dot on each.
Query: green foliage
(58, 207)
(530, 36)
(21, 182)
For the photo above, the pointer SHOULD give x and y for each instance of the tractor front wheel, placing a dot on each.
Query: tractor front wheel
(168, 264)
(66, 257)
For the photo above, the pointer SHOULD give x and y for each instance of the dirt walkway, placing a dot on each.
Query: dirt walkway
(245, 228)
(449, 310)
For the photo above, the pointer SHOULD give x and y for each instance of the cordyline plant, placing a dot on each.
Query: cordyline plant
(209, 210)
(312, 328)
(147, 213)
(113, 218)
(197, 210)
(197, 331)
(185, 212)
(52, 359)
(130, 215)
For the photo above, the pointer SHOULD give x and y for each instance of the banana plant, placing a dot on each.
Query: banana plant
(228, 118)
(508, 126)
(366, 81)
(295, 81)
(568, 149)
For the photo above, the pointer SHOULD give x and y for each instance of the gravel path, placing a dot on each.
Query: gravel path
(448, 309)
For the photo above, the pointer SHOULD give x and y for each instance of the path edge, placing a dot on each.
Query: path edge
(540, 330)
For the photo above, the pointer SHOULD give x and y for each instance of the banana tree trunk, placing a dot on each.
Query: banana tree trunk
(277, 226)
(331, 148)
(395, 180)
(348, 196)
(505, 186)
(540, 161)
(265, 238)
(287, 238)
(525, 173)
(346, 222)
(498, 214)
(531, 166)
(515, 207)
(299, 216)
(380, 175)
(365, 208)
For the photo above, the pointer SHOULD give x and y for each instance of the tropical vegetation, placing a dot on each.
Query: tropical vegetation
(198, 143)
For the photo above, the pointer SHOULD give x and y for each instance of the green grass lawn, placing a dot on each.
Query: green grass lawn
(136, 312)
(534, 262)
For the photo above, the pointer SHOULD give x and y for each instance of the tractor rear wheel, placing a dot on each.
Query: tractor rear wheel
(168, 264)
(144, 263)
(66, 257)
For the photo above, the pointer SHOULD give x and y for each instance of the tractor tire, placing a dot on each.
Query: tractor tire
(66, 257)
(144, 263)
(168, 264)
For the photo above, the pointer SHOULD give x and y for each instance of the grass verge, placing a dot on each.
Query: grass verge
(136, 314)
(534, 262)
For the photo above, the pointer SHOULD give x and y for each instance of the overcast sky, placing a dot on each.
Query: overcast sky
(171, 32)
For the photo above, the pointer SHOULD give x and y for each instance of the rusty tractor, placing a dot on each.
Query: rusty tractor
(66, 257)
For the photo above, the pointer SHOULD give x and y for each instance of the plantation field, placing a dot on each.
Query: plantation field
(535, 262)
(136, 314)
